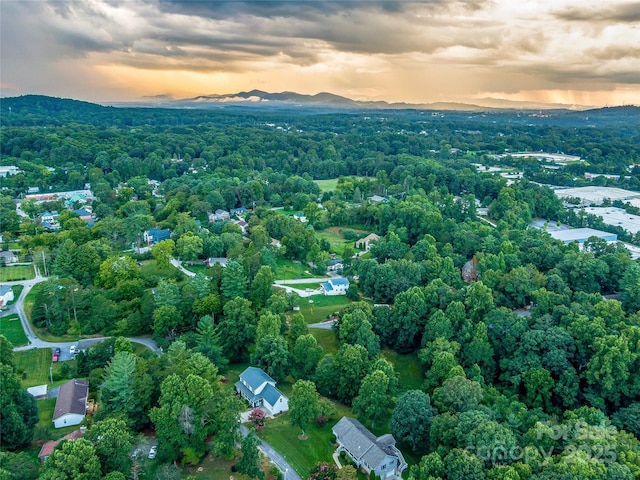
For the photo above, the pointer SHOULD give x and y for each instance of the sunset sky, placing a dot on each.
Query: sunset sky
(563, 51)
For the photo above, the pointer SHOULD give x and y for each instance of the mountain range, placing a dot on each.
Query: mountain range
(259, 98)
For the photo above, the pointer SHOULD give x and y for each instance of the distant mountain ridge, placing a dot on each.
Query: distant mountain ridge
(331, 100)
(43, 110)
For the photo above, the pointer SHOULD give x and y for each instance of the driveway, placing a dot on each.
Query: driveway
(275, 457)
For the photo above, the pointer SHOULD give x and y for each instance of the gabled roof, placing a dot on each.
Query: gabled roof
(72, 398)
(271, 394)
(362, 444)
(256, 377)
(5, 289)
(339, 281)
(48, 447)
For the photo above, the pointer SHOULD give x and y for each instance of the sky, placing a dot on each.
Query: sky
(581, 52)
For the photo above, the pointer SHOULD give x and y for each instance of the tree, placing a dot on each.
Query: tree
(411, 419)
(115, 270)
(261, 286)
(234, 281)
(189, 246)
(237, 328)
(249, 462)
(118, 392)
(350, 366)
(165, 322)
(112, 440)
(458, 394)
(303, 404)
(355, 328)
(18, 411)
(272, 355)
(6, 352)
(408, 318)
(181, 420)
(373, 400)
(72, 460)
(18, 466)
(208, 342)
(462, 465)
(305, 357)
(162, 252)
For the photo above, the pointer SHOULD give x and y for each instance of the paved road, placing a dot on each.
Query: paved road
(278, 459)
(176, 263)
(32, 338)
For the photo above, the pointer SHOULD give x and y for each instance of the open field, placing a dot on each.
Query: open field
(290, 270)
(330, 184)
(18, 272)
(35, 365)
(11, 328)
(407, 368)
(321, 307)
(326, 339)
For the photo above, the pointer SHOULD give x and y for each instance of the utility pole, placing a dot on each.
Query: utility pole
(51, 373)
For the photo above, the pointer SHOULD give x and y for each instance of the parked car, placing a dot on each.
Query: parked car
(56, 357)
(73, 350)
(153, 452)
(57, 350)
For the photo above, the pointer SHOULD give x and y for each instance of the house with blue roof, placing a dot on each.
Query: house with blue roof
(259, 389)
(156, 235)
(335, 286)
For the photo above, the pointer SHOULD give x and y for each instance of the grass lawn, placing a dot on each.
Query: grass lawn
(326, 339)
(35, 365)
(214, 468)
(408, 369)
(334, 236)
(327, 185)
(17, 290)
(289, 270)
(322, 306)
(11, 328)
(18, 272)
(301, 454)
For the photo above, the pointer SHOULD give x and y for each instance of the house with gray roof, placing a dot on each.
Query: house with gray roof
(371, 453)
(259, 389)
(71, 404)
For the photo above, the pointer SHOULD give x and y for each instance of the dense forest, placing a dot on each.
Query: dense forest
(528, 370)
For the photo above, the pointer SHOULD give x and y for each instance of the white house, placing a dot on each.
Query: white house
(365, 242)
(71, 404)
(259, 389)
(8, 257)
(335, 286)
(371, 453)
(6, 295)
(219, 216)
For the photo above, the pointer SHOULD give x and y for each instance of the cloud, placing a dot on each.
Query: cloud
(601, 12)
(353, 45)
